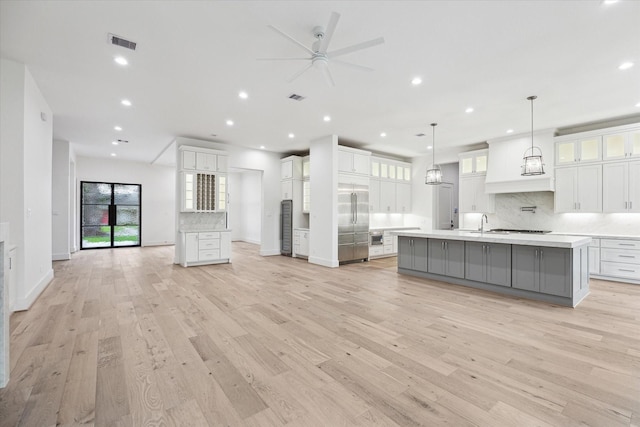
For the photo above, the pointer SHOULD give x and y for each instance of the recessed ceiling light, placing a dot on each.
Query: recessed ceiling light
(469, 110)
(625, 66)
(262, 147)
(243, 95)
(291, 135)
(383, 134)
(126, 102)
(327, 118)
(118, 128)
(638, 104)
(509, 130)
(430, 147)
(416, 81)
(113, 154)
(121, 60)
(608, 2)
(114, 142)
(229, 122)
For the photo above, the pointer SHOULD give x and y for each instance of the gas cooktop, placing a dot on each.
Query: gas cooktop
(513, 230)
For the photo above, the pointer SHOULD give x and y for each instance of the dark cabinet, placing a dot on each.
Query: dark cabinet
(542, 269)
(412, 253)
(446, 257)
(488, 262)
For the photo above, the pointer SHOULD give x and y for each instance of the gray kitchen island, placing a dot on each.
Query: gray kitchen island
(548, 267)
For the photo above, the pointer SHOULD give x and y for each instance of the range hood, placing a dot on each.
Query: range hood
(505, 159)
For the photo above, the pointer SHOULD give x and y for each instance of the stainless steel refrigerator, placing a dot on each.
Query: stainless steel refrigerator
(353, 222)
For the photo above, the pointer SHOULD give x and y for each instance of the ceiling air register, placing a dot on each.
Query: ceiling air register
(434, 175)
(532, 159)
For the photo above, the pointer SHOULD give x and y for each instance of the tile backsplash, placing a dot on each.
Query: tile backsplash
(202, 221)
(509, 215)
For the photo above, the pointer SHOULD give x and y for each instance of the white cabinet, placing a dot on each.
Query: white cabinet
(306, 196)
(472, 196)
(291, 167)
(588, 149)
(622, 145)
(387, 197)
(207, 247)
(594, 256)
(353, 161)
(201, 159)
(306, 167)
(206, 162)
(389, 186)
(301, 242)
(403, 197)
(473, 162)
(579, 189)
(203, 192)
(374, 195)
(188, 160)
(287, 189)
(620, 259)
(621, 184)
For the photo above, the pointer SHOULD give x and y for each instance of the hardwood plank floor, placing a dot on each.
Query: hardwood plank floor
(125, 338)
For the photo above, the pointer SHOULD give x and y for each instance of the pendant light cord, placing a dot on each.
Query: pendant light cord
(433, 125)
(531, 98)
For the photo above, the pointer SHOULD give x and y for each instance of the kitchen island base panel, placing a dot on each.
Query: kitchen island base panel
(513, 292)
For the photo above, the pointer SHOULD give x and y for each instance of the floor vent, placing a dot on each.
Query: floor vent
(119, 41)
(296, 97)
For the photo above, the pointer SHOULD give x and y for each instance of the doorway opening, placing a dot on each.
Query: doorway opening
(110, 215)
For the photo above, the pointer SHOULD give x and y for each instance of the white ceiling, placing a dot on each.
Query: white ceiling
(193, 58)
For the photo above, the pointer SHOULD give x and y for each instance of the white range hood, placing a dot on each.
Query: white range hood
(505, 159)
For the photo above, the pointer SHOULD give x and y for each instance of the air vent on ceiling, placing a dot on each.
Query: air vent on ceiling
(123, 141)
(420, 134)
(119, 41)
(296, 97)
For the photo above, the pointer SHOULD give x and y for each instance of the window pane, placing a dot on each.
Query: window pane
(95, 215)
(127, 215)
(126, 194)
(96, 237)
(126, 236)
(96, 193)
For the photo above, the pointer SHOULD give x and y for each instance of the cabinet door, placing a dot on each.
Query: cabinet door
(589, 184)
(615, 146)
(188, 160)
(405, 253)
(565, 190)
(221, 163)
(634, 187)
(361, 164)
(480, 163)
(525, 272)
(615, 182)
(498, 264)
(287, 189)
(589, 149)
(191, 251)
(466, 195)
(374, 196)
(474, 261)
(188, 192)
(455, 258)
(221, 193)
(206, 162)
(304, 243)
(306, 167)
(634, 143)
(388, 197)
(555, 271)
(484, 202)
(420, 254)
(306, 196)
(286, 169)
(566, 152)
(594, 260)
(345, 161)
(403, 197)
(436, 263)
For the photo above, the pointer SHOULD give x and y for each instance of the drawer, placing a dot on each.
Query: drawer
(388, 249)
(209, 235)
(595, 243)
(618, 269)
(209, 255)
(376, 250)
(387, 240)
(209, 244)
(620, 243)
(620, 255)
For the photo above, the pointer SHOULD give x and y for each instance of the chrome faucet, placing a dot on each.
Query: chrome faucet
(484, 216)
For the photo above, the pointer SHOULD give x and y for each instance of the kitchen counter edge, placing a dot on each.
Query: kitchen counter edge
(547, 240)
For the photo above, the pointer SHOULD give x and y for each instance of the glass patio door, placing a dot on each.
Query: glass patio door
(110, 215)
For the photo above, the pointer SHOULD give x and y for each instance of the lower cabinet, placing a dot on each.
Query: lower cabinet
(488, 262)
(446, 257)
(542, 269)
(301, 242)
(412, 253)
(206, 247)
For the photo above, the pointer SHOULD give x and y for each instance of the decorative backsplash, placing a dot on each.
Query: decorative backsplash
(510, 215)
(202, 221)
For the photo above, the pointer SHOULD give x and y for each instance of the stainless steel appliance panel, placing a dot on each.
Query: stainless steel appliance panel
(286, 227)
(353, 222)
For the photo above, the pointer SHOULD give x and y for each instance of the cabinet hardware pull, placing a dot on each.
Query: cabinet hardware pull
(625, 205)
(626, 256)
(628, 271)
(630, 205)
(541, 253)
(626, 244)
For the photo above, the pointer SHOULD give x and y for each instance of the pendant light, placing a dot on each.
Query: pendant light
(532, 160)
(434, 175)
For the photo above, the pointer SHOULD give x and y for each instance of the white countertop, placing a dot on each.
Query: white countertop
(203, 230)
(548, 240)
(393, 228)
(598, 235)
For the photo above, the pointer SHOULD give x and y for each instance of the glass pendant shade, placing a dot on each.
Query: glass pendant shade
(532, 160)
(434, 175)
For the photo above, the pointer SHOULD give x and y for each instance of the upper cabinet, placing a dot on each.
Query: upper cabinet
(202, 160)
(390, 186)
(291, 167)
(474, 162)
(390, 169)
(623, 145)
(306, 167)
(351, 160)
(582, 150)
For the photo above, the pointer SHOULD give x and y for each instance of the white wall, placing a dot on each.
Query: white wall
(323, 218)
(60, 201)
(421, 195)
(158, 195)
(25, 186)
(245, 201)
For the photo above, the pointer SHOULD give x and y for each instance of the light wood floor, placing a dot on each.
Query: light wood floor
(125, 338)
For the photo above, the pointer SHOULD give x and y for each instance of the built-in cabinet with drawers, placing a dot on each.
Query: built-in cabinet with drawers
(295, 186)
(301, 242)
(389, 186)
(619, 259)
(598, 171)
(472, 176)
(209, 247)
(203, 180)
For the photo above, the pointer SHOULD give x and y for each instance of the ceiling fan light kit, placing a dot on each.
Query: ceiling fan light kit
(320, 56)
(434, 175)
(532, 160)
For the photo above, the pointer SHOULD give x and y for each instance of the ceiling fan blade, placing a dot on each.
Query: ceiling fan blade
(327, 76)
(287, 36)
(299, 73)
(283, 59)
(355, 47)
(328, 32)
(349, 64)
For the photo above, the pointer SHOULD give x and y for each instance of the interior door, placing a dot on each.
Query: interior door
(444, 210)
(110, 215)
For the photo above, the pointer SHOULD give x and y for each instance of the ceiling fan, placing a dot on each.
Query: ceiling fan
(320, 56)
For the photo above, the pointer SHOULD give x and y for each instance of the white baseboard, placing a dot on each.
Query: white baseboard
(26, 302)
(270, 252)
(63, 256)
(165, 243)
(323, 262)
